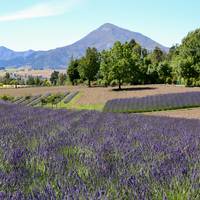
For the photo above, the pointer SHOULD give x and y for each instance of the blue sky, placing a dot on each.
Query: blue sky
(46, 24)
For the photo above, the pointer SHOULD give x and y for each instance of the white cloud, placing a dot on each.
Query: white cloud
(45, 9)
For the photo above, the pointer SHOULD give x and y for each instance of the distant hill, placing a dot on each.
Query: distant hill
(102, 38)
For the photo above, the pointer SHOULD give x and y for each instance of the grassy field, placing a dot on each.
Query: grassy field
(95, 98)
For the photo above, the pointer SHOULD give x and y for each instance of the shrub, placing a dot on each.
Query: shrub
(27, 97)
(7, 98)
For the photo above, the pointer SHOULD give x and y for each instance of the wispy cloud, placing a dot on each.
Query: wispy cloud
(45, 9)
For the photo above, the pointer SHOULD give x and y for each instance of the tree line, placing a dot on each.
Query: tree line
(129, 63)
(56, 78)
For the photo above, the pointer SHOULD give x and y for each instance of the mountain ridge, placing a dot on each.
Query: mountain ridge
(101, 38)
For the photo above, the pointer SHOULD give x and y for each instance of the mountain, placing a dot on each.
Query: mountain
(7, 54)
(102, 38)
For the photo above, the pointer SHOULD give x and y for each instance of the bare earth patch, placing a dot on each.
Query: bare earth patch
(99, 95)
(192, 113)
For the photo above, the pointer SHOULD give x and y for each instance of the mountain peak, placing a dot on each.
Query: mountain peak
(107, 26)
(102, 38)
(4, 48)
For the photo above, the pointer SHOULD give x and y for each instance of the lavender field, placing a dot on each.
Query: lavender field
(154, 103)
(60, 154)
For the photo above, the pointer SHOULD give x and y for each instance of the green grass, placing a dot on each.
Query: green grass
(73, 104)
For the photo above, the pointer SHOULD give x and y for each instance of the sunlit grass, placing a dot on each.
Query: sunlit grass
(75, 106)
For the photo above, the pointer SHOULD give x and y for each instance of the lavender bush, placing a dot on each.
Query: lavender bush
(60, 154)
(33, 98)
(61, 97)
(70, 97)
(38, 100)
(154, 103)
(16, 99)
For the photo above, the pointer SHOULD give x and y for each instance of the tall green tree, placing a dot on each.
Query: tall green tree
(38, 81)
(54, 78)
(7, 78)
(157, 56)
(89, 65)
(72, 71)
(105, 66)
(30, 80)
(187, 61)
(165, 72)
(132, 43)
(62, 78)
(120, 64)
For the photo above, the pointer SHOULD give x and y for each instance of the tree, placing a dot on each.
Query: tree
(62, 78)
(164, 72)
(72, 71)
(132, 43)
(157, 56)
(30, 81)
(14, 82)
(38, 81)
(7, 78)
(105, 66)
(136, 62)
(154, 58)
(43, 101)
(173, 52)
(46, 83)
(120, 63)
(137, 51)
(54, 78)
(143, 76)
(187, 61)
(89, 65)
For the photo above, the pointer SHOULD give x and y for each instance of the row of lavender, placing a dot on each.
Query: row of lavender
(60, 154)
(41, 100)
(154, 103)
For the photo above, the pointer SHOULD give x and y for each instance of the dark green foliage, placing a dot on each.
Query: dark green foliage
(54, 78)
(157, 56)
(105, 67)
(6, 98)
(72, 71)
(62, 79)
(89, 65)
(120, 63)
(164, 72)
(131, 64)
(30, 81)
(187, 59)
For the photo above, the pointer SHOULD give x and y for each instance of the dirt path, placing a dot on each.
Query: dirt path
(193, 113)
